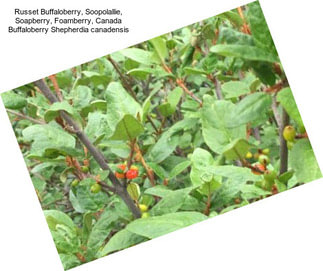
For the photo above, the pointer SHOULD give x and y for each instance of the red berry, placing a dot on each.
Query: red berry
(131, 174)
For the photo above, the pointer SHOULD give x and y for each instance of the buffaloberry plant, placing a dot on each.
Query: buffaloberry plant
(161, 135)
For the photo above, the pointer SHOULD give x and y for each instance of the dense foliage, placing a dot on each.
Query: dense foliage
(192, 124)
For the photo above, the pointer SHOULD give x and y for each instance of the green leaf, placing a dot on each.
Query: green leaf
(55, 152)
(173, 98)
(159, 171)
(63, 231)
(244, 51)
(87, 226)
(69, 260)
(259, 29)
(95, 77)
(286, 99)
(231, 36)
(96, 126)
(166, 109)
(146, 109)
(75, 202)
(101, 230)
(160, 47)
(236, 179)
(265, 72)
(250, 108)
(171, 202)
(81, 96)
(285, 177)
(153, 227)
(85, 200)
(55, 109)
(66, 239)
(138, 55)
(121, 240)
(234, 89)
(55, 217)
(127, 129)
(12, 100)
(92, 106)
(48, 136)
(158, 190)
(233, 17)
(208, 188)
(239, 174)
(252, 81)
(280, 186)
(216, 118)
(194, 71)
(251, 191)
(163, 147)
(179, 169)
(142, 72)
(133, 190)
(202, 161)
(303, 161)
(237, 149)
(119, 103)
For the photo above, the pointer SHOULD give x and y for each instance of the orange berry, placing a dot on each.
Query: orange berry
(259, 167)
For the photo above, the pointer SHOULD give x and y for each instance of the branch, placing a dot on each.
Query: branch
(281, 122)
(20, 115)
(217, 85)
(97, 154)
(187, 91)
(283, 145)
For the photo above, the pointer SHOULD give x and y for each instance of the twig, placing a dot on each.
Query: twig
(245, 28)
(56, 87)
(20, 115)
(208, 205)
(149, 171)
(97, 154)
(277, 87)
(180, 82)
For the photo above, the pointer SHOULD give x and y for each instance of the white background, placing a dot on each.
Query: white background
(283, 232)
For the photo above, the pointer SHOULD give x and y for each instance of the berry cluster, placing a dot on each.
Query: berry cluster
(122, 173)
(260, 168)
